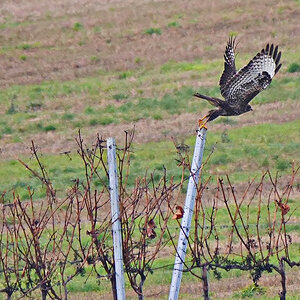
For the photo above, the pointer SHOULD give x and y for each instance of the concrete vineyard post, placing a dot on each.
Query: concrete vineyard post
(188, 213)
(115, 214)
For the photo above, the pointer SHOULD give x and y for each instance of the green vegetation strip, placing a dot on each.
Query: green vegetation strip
(242, 153)
(128, 96)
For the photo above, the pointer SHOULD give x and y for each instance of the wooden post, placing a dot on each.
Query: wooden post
(115, 217)
(188, 213)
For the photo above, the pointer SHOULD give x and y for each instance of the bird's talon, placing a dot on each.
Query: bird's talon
(202, 122)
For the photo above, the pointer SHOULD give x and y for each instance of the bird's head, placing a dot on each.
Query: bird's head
(248, 108)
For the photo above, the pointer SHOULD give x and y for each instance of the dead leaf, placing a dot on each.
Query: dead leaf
(150, 229)
(284, 208)
(178, 214)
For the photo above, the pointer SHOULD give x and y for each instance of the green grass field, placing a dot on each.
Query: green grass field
(103, 68)
(242, 153)
(54, 106)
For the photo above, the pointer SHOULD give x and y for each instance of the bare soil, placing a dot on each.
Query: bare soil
(67, 39)
(219, 289)
(113, 31)
(111, 36)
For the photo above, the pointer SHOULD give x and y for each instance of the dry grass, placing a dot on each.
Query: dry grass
(179, 126)
(110, 37)
(114, 33)
(224, 289)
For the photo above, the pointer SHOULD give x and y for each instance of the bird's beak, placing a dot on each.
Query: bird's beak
(251, 109)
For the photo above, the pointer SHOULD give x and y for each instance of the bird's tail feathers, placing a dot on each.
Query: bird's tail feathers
(213, 101)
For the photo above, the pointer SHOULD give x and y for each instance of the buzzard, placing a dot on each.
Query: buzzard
(240, 87)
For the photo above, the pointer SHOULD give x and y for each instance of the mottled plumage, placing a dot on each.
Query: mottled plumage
(239, 87)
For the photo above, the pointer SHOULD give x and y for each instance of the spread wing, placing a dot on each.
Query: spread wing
(229, 64)
(254, 77)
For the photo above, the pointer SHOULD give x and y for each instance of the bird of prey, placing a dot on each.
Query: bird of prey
(239, 87)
